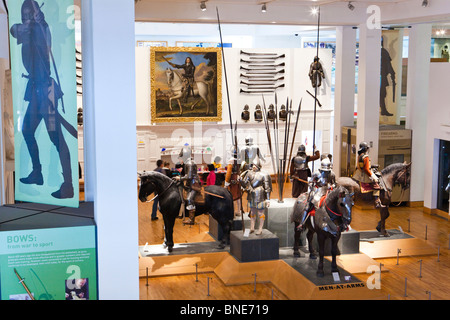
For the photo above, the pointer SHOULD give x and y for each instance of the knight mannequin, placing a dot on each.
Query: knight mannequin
(364, 174)
(232, 178)
(258, 185)
(299, 170)
(192, 182)
(249, 153)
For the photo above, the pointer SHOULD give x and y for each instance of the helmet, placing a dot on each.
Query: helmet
(185, 153)
(256, 162)
(301, 149)
(363, 147)
(248, 140)
(325, 164)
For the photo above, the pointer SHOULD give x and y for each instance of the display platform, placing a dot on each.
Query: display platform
(278, 220)
(378, 247)
(215, 230)
(348, 243)
(46, 254)
(252, 247)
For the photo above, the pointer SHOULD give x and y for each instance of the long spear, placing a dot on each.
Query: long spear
(225, 73)
(295, 131)
(315, 89)
(269, 138)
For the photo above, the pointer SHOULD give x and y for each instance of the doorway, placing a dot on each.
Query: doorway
(444, 172)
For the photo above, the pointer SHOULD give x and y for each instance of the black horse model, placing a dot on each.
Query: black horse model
(218, 203)
(397, 173)
(332, 217)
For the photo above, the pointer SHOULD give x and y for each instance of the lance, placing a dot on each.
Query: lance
(315, 98)
(295, 133)
(315, 89)
(269, 138)
(225, 73)
(235, 168)
(22, 282)
(301, 180)
(288, 122)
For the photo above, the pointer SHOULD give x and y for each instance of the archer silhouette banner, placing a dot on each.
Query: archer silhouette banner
(390, 76)
(43, 73)
(186, 84)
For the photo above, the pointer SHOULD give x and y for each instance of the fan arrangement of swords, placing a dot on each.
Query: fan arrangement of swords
(261, 72)
(282, 159)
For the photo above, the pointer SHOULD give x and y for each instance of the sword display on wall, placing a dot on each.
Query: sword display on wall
(258, 62)
(266, 72)
(260, 68)
(267, 57)
(259, 53)
(264, 86)
(265, 80)
(257, 76)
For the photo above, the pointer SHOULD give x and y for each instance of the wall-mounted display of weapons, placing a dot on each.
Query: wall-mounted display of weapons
(263, 72)
(280, 158)
(79, 71)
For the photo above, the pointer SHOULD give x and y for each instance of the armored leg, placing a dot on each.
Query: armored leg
(262, 218)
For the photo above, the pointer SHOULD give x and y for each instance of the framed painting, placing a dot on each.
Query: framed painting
(186, 84)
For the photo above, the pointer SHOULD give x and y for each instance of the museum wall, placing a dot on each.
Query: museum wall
(438, 127)
(214, 138)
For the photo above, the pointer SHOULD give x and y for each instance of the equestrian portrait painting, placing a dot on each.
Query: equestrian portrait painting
(186, 84)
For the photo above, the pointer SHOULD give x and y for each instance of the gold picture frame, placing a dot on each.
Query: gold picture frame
(171, 97)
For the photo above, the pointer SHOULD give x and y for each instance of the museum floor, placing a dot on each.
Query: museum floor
(423, 277)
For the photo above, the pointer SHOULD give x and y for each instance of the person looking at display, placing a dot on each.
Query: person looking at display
(211, 179)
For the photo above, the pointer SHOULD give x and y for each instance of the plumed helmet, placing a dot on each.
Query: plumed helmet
(185, 153)
(363, 147)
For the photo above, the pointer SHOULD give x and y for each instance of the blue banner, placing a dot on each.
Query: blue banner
(43, 68)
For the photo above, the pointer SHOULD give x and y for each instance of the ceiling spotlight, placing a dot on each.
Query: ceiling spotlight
(314, 10)
(263, 8)
(425, 3)
(203, 5)
(350, 6)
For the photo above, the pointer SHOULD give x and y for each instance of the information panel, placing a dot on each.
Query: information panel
(49, 264)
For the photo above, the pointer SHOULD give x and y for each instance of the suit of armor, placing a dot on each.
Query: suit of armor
(299, 171)
(316, 73)
(249, 153)
(365, 175)
(259, 186)
(232, 181)
(192, 183)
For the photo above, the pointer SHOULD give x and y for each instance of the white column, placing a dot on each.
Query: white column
(344, 89)
(369, 89)
(109, 93)
(416, 104)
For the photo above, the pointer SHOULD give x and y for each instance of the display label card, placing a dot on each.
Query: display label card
(49, 264)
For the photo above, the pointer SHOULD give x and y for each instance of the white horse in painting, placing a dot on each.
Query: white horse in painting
(175, 82)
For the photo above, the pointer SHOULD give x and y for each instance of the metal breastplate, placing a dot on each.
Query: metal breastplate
(190, 168)
(300, 163)
(260, 185)
(250, 153)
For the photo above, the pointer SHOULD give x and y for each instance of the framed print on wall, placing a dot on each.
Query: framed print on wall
(186, 84)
